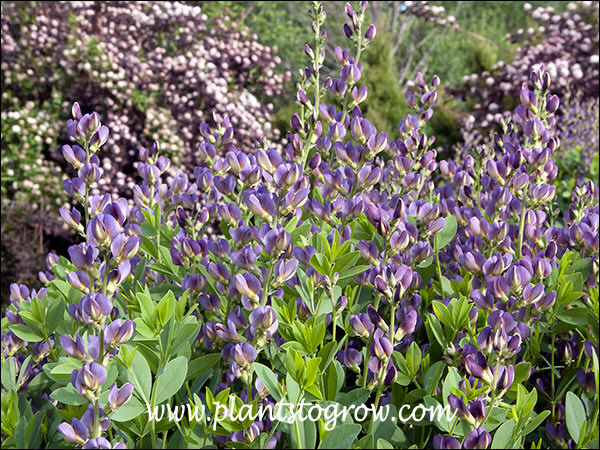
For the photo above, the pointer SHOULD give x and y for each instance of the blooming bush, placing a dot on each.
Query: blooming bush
(566, 44)
(156, 70)
(352, 269)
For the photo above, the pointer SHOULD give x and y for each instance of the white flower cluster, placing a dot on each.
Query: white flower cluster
(25, 173)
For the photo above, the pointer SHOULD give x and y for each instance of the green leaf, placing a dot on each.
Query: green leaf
(129, 411)
(522, 371)
(574, 415)
(68, 396)
(442, 312)
(582, 266)
(345, 261)
(320, 264)
(201, 365)
(351, 273)
(148, 246)
(26, 333)
(267, 377)
(354, 397)
(33, 432)
(446, 234)
(535, 422)
(433, 376)
(576, 316)
(171, 379)
(435, 327)
(341, 436)
(413, 359)
(503, 435)
(139, 374)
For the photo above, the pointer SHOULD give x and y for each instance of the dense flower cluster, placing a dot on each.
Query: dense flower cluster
(351, 268)
(566, 44)
(157, 70)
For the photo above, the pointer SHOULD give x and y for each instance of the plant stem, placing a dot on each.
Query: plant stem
(96, 430)
(519, 248)
(377, 396)
(437, 264)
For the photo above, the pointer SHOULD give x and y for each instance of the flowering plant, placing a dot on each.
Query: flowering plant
(351, 269)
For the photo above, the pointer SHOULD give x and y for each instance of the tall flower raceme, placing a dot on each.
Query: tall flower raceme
(101, 264)
(345, 273)
(509, 255)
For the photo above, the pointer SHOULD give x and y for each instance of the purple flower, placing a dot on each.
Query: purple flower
(243, 354)
(94, 308)
(361, 324)
(118, 397)
(102, 229)
(478, 438)
(445, 442)
(381, 347)
(477, 366)
(210, 302)
(125, 247)
(284, 270)
(351, 358)
(458, 407)
(248, 285)
(77, 433)
(89, 378)
(264, 320)
(98, 443)
(505, 377)
(76, 348)
(407, 322)
(118, 332)
(83, 256)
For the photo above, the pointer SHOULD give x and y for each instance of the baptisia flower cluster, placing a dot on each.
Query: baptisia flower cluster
(102, 262)
(351, 265)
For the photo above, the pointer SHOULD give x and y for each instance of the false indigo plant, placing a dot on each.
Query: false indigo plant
(351, 269)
